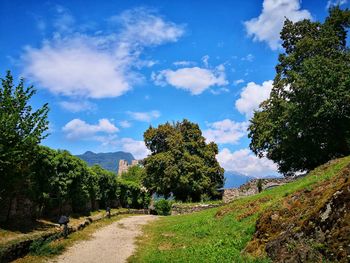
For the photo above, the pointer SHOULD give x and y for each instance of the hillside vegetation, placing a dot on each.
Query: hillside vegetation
(304, 221)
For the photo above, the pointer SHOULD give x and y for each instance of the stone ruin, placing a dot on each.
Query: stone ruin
(124, 166)
(251, 188)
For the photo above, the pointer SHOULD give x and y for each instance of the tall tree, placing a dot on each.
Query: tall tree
(181, 162)
(21, 131)
(306, 120)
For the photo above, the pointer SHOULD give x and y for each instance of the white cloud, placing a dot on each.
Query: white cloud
(225, 131)
(238, 81)
(195, 79)
(183, 63)
(144, 116)
(137, 148)
(245, 162)
(251, 97)
(111, 142)
(145, 27)
(79, 129)
(331, 3)
(205, 60)
(219, 91)
(63, 21)
(77, 106)
(125, 124)
(268, 25)
(74, 63)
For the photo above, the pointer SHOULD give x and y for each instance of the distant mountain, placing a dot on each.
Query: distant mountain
(234, 180)
(109, 161)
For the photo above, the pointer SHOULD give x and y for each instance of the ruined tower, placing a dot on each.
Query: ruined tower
(123, 167)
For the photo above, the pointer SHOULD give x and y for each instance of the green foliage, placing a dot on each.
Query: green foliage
(135, 174)
(59, 178)
(132, 194)
(107, 185)
(163, 207)
(181, 162)
(259, 185)
(306, 120)
(44, 247)
(221, 234)
(21, 130)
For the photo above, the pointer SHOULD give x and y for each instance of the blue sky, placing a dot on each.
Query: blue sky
(109, 69)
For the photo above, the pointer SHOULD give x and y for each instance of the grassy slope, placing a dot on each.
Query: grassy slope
(220, 234)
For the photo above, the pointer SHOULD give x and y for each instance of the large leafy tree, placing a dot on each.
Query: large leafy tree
(181, 162)
(21, 131)
(306, 120)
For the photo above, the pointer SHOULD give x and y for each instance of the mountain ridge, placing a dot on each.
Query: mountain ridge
(108, 161)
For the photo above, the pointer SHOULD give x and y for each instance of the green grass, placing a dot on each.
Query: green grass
(220, 234)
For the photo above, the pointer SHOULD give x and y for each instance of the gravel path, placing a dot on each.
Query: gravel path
(111, 244)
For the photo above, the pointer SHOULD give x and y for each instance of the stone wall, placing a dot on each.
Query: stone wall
(19, 208)
(178, 209)
(251, 188)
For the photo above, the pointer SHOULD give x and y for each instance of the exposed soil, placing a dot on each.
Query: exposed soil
(113, 243)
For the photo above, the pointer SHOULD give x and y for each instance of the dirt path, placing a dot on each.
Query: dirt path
(113, 243)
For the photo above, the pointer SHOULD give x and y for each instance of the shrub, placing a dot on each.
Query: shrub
(259, 185)
(163, 207)
(44, 247)
(132, 194)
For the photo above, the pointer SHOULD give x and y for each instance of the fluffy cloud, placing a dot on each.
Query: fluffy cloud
(195, 79)
(111, 142)
(77, 106)
(137, 148)
(144, 116)
(104, 132)
(74, 63)
(125, 124)
(251, 97)
(225, 131)
(245, 162)
(268, 25)
(79, 129)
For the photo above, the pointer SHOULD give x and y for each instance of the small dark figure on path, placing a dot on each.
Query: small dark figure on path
(108, 210)
(64, 220)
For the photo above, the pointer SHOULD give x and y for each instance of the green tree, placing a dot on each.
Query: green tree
(135, 173)
(42, 175)
(306, 120)
(107, 185)
(181, 162)
(21, 131)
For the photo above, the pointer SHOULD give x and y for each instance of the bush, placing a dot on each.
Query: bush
(132, 194)
(44, 247)
(163, 207)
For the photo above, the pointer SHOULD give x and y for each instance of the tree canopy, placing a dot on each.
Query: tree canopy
(21, 130)
(306, 120)
(181, 162)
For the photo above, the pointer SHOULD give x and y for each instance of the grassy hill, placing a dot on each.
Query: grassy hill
(307, 220)
(108, 161)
